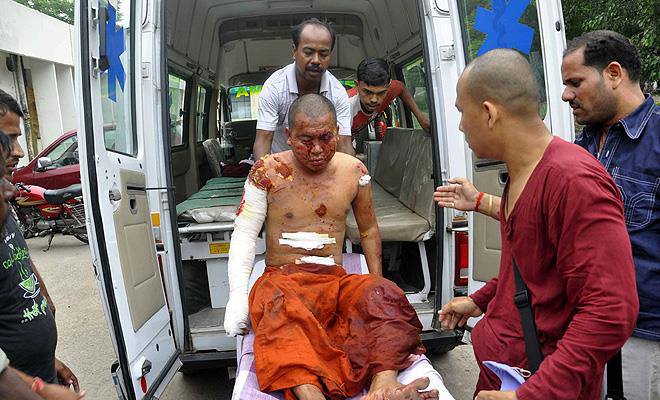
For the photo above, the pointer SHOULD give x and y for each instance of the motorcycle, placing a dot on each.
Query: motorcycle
(42, 212)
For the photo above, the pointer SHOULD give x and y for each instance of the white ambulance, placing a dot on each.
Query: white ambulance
(168, 92)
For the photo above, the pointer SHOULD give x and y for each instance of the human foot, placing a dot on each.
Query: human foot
(308, 392)
(387, 388)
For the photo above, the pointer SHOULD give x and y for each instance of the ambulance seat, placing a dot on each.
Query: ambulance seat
(402, 187)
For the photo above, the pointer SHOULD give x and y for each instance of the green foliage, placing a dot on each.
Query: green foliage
(637, 19)
(60, 9)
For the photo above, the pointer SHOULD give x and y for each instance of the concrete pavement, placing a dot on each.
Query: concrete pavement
(84, 342)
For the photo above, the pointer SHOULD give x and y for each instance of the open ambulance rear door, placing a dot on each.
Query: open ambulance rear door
(110, 70)
(536, 29)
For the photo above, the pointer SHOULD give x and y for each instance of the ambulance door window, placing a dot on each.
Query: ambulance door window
(490, 24)
(203, 108)
(414, 77)
(177, 98)
(117, 88)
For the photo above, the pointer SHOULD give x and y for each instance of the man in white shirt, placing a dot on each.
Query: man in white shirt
(313, 42)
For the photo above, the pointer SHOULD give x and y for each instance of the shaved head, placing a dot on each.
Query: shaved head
(312, 106)
(504, 77)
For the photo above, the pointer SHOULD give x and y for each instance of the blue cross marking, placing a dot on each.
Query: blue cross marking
(114, 47)
(502, 27)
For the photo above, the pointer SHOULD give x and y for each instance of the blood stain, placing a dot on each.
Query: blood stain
(283, 170)
(321, 210)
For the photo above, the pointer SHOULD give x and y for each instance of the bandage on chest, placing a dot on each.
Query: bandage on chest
(306, 240)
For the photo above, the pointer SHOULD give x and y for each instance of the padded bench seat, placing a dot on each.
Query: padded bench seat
(402, 188)
(396, 222)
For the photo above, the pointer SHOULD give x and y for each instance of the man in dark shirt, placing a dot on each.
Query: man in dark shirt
(601, 71)
(28, 334)
(14, 384)
(562, 222)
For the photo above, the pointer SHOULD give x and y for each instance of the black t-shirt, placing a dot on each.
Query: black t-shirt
(28, 334)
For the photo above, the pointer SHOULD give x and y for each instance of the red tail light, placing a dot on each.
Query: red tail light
(462, 254)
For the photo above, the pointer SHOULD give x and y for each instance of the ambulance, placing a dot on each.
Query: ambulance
(168, 95)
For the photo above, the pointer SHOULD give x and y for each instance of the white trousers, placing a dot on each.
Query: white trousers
(641, 369)
(640, 364)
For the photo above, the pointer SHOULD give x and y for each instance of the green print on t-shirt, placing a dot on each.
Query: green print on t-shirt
(16, 255)
(36, 310)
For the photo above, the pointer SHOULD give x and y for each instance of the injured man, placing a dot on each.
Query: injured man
(319, 332)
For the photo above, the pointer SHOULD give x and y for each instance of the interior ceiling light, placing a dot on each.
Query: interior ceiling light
(274, 4)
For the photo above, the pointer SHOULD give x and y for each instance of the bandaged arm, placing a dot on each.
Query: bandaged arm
(247, 226)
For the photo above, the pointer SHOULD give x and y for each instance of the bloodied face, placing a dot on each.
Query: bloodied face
(313, 141)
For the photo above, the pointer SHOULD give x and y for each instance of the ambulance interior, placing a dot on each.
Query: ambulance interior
(219, 52)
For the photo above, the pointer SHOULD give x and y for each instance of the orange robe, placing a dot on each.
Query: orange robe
(318, 325)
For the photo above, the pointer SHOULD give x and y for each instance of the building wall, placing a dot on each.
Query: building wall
(44, 81)
(45, 48)
(27, 32)
(8, 84)
(66, 93)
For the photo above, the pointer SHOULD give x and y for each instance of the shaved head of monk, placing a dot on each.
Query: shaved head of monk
(497, 95)
(312, 132)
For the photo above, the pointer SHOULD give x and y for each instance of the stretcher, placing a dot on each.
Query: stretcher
(205, 222)
(216, 201)
(247, 385)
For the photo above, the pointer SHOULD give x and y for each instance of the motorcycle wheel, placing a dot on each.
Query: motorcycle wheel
(25, 231)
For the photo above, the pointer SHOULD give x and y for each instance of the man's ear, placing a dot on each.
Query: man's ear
(287, 132)
(491, 112)
(613, 74)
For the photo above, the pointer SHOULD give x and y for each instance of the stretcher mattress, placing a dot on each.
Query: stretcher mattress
(216, 201)
(247, 385)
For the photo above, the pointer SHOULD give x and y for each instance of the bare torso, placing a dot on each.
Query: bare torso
(299, 201)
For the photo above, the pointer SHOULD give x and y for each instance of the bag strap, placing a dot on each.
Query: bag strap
(615, 379)
(522, 299)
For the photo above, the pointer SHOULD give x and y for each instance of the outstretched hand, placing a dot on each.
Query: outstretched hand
(460, 194)
(457, 311)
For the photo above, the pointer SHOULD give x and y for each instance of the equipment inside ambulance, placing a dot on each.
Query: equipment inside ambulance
(168, 93)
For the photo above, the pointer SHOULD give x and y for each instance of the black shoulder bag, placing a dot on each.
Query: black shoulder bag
(533, 346)
(522, 298)
(615, 378)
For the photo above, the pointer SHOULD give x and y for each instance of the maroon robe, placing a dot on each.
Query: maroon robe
(569, 239)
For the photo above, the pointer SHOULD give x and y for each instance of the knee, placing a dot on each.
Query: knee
(377, 286)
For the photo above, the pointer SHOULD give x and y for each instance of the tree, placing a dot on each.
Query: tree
(638, 20)
(60, 9)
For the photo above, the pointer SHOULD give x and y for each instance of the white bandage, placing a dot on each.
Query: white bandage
(247, 226)
(329, 260)
(306, 240)
(364, 180)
